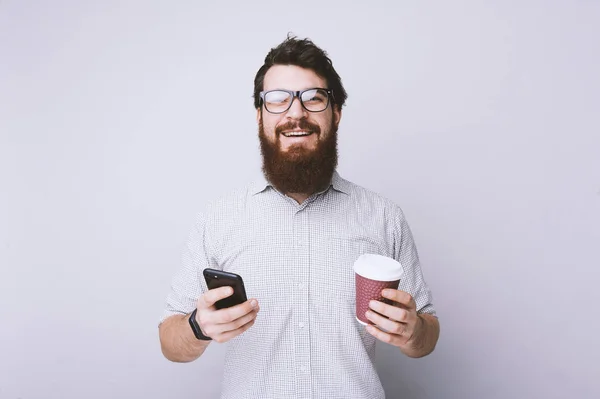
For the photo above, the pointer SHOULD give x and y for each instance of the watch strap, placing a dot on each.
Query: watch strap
(196, 327)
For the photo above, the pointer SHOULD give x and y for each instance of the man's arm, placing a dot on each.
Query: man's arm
(177, 340)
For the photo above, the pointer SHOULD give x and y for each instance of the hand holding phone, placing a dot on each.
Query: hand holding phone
(218, 278)
(224, 311)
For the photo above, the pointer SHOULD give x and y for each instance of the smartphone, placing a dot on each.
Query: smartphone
(218, 278)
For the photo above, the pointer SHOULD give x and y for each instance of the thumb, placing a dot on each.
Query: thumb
(210, 297)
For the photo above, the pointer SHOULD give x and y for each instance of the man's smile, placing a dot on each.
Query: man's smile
(297, 133)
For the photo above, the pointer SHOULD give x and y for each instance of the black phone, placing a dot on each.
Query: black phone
(218, 278)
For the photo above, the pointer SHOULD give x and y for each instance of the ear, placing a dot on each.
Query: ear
(337, 114)
(258, 112)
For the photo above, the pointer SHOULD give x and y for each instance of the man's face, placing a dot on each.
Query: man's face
(298, 163)
(277, 126)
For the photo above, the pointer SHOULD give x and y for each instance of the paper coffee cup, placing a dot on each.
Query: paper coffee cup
(373, 274)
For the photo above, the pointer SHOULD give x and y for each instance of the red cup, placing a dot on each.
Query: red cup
(373, 274)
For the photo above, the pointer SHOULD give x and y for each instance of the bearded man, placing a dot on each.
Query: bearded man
(293, 236)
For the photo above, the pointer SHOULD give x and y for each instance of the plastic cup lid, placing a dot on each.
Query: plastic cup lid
(378, 267)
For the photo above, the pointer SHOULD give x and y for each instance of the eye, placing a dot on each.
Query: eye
(314, 95)
(277, 97)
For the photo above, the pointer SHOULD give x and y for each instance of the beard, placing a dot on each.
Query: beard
(299, 169)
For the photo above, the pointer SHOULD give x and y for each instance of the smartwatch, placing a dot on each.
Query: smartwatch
(196, 327)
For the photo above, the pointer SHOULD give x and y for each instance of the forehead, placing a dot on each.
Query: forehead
(292, 77)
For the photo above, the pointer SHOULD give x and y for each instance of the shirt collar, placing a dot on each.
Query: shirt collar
(340, 184)
(260, 184)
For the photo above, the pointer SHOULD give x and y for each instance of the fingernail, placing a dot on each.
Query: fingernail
(254, 303)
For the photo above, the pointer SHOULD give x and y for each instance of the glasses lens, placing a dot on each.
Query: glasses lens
(315, 100)
(277, 101)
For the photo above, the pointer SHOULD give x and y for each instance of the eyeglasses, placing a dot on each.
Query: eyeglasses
(279, 101)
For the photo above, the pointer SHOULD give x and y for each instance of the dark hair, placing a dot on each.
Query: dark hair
(302, 53)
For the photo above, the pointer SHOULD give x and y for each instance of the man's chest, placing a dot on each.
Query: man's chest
(306, 256)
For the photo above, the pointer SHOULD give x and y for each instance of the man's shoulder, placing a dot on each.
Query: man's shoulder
(364, 195)
(233, 199)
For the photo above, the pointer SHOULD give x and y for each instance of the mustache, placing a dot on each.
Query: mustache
(299, 125)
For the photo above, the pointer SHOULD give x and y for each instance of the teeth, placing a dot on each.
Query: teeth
(296, 134)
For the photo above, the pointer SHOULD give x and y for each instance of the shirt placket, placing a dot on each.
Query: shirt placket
(301, 304)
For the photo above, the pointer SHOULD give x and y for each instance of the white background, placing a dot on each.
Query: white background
(119, 120)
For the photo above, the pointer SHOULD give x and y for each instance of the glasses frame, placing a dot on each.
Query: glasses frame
(298, 94)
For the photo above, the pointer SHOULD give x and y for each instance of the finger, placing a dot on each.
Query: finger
(237, 323)
(228, 315)
(385, 337)
(390, 326)
(213, 328)
(402, 297)
(210, 297)
(392, 312)
(226, 336)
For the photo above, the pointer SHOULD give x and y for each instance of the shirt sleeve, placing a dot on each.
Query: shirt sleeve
(406, 253)
(188, 282)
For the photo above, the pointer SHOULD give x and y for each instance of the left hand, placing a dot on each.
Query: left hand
(400, 320)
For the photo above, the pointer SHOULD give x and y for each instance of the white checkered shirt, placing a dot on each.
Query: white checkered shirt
(297, 261)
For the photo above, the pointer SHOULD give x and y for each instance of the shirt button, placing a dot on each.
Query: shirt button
(300, 286)
(303, 369)
(301, 325)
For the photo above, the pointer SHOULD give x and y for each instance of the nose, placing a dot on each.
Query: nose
(296, 110)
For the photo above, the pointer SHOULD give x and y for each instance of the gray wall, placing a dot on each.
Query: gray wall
(479, 118)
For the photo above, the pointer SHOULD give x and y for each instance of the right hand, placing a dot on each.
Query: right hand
(223, 325)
